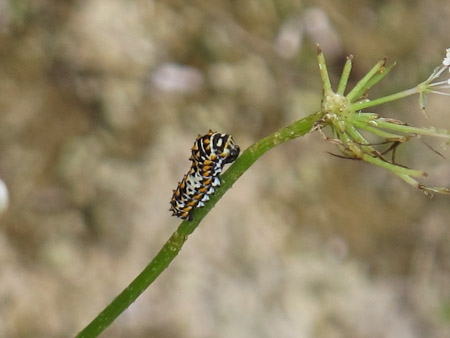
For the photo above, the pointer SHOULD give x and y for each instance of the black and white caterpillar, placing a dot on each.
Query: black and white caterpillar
(210, 153)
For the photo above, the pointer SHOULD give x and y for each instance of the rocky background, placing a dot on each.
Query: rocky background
(100, 102)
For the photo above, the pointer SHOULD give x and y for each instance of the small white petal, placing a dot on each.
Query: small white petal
(446, 61)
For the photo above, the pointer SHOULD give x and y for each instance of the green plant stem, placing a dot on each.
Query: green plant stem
(173, 246)
(370, 103)
(381, 133)
(376, 78)
(323, 72)
(431, 131)
(345, 75)
(360, 87)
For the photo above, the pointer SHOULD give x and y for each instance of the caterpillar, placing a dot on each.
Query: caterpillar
(209, 155)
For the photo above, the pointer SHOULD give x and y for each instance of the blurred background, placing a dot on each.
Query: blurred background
(100, 103)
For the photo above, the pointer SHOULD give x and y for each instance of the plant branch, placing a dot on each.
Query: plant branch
(370, 103)
(173, 246)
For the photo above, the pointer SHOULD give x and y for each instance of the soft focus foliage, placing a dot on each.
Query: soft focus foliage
(100, 102)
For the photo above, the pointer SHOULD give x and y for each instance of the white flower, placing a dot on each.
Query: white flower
(446, 61)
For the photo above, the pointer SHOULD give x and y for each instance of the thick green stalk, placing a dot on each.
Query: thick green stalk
(173, 246)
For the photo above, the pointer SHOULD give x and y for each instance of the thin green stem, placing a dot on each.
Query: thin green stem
(423, 102)
(142, 281)
(173, 246)
(351, 130)
(408, 179)
(376, 78)
(370, 103)
(381, 133)
(345, 75)
(386, 123)
(358, 90)
(365, 117)
(399, 171)
(323, 72)
(365, 156)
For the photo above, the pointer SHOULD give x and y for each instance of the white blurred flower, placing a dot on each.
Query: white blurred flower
(4, 197)
(171, 77)
(446, 61)
(289, 38)
(313, 23)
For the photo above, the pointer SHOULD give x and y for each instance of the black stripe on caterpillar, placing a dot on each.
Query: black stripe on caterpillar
(209, 155)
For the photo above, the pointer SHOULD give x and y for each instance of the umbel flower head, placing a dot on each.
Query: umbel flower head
(438, 87)
(344, 116)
